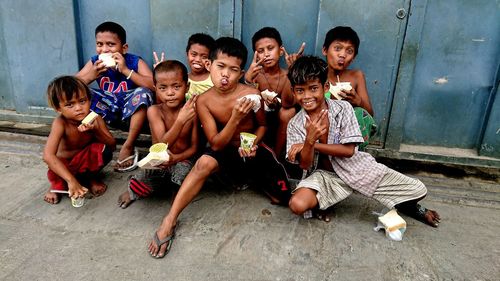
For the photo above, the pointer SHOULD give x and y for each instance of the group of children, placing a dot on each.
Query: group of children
(201, 113)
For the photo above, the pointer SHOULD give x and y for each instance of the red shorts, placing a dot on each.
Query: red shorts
(89, 159)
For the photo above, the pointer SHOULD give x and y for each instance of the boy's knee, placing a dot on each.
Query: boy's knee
(297, 205)
(205, 165)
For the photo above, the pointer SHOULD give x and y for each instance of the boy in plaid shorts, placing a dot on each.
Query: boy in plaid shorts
(323, 137)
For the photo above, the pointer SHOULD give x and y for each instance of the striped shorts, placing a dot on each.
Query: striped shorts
(394, 188)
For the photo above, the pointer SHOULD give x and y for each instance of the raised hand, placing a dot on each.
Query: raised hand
(254, 69)
(188, 111)
(291, 58)
(317, 127)
(241, 108)
(158, 61)
(351, 96)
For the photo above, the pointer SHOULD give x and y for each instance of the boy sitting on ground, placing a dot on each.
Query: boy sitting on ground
(265, 73)
(172, 121)
(225, 110)
(125, 83)
(323, 137)
(75, 152)
(340, 49)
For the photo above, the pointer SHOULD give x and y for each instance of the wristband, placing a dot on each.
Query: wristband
(255, 85)
(130, 74)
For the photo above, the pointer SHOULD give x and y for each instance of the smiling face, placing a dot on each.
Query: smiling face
(170, 88)
(269, 51)
(339, 54)
(311, 95)
(197, 57)
(75, 109)
(225, 71)
(108, 42)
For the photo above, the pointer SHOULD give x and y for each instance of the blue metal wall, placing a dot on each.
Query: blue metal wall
(431, 66)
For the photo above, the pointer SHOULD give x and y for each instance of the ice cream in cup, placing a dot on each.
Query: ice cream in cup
(339, 86)
(77, 202)
(158, 153)
(246, 141)
(346, 86)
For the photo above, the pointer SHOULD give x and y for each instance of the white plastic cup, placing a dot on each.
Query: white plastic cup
(77, 202)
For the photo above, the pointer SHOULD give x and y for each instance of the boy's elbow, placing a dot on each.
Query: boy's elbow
(350, 153)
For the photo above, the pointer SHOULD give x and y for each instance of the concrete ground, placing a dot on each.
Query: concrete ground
(230, 235)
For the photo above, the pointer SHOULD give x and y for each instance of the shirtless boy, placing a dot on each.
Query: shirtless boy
(75, 152)
(224, 112)
(172, 121)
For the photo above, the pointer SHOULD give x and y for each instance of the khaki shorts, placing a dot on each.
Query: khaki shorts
(394, 188)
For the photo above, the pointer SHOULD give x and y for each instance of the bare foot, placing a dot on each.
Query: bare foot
(126, 152)
(51, 197)
(97, 187)
(432, 218)
(124, 200)
(159, 251)
(322, 215)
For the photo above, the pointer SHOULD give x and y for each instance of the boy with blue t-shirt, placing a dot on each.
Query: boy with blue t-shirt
(125, 82)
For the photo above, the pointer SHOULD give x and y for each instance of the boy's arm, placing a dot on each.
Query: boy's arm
(90, 71)
(260, 117)
(156, 123)
(102, 133)
(55, 164)
(218, 140)
(359, 96)
(363, 92)
(188, 153)
(287, 99)
(142, 78)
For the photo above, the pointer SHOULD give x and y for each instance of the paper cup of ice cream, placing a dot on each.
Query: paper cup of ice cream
(77, 202)
(247, 140)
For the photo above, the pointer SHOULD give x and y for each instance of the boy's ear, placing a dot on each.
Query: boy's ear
(324, 51)
(327, 86)
(125, 48)
(207, 65)
(282, 51)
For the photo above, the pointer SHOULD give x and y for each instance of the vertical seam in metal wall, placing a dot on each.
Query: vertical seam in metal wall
(395, 72)
(78, 33)
(489, 108)
(317, 26)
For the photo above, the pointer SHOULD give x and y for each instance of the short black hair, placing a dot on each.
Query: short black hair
(231, 47)
(171, 65)
(202, 39)
(65, 88)
(112, 27)
(307, 68)
(342, 33)
(267, 32)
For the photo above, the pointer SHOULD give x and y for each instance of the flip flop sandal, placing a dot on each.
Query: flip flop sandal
(169, 239)
(132, 167)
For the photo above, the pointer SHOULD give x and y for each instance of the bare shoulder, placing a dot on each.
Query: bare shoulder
(243, 90)
(153, 109)
(58, 124)
(205, 97)
(355, 73)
